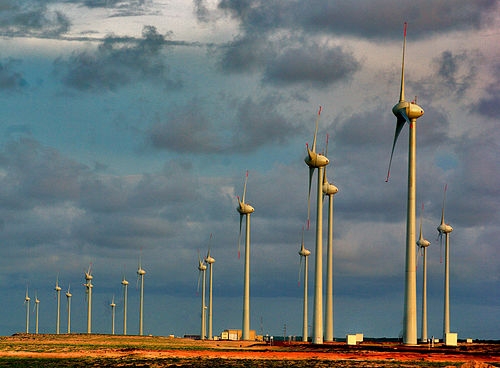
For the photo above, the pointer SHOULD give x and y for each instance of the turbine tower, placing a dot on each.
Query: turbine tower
(113, 306)
(445, 229)
(27, 303)
(423, 243)
(210, 261)
(68, 299)
(317, 161)
(303, 252)
(140, 274)
(125, 294)
(88, 289)
(58, 318)
(245, 210)
(37, 304)
(202, 267)
(330, 190)
(408, 112)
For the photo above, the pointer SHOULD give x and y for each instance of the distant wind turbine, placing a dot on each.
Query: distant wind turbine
(140, 274)
(68, 299)
(202, 267)
(423, 243)
(304, 253)
(37, 304)
(125, 296)
(317, 161)
(58, 318)
(408, 112)
(88, 289)
(113, 306)
(210, 261)
(330, 190)
(445, 229)
(27, 303)
(245, 210)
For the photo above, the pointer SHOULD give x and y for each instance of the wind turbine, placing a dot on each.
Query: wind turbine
(140, 274)
(330, 190)
(88, 289)
(317, 161)
(408, 112)
(125, 292)
(210, 261)
(113, 306)
(68, 299)
(202, 267)
(303, 252)
(27, 303)
(423, 243)
(245, 210)
(58, 318)
(37, 304)
(445, 229)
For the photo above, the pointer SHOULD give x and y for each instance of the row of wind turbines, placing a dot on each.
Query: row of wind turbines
(88, 292)
(405, 112)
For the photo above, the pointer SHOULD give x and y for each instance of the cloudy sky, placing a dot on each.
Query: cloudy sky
(127, 128)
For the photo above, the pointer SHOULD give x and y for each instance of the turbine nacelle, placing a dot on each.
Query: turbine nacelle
(423, 243)
(244, 208)
(124, 282)
(209, 259)
(444, 228)
(407, 110)
(315, 160)
(303, 252)
(329, 188)
(141, 272)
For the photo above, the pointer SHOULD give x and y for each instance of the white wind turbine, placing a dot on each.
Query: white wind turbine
(202, 267)
(140, 274)
(88, 289)
(68, 308)
(423, 243)
(125, 296)
(210, 261)
(113, 306)
(408, 112)
(303, 252)
(317, 161)
(27, 303)
(330, 190)
(37, 305)
(245, 210)
(445, 229)
(58, 318)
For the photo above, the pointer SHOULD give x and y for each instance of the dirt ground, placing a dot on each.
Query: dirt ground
(170, 351)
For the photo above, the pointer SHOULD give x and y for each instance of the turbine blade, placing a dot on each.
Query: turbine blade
(402, 91)
(316, 130)
(300, 269)
(245, 188)
(399, 126)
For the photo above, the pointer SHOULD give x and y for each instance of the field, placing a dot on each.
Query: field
(81, 350)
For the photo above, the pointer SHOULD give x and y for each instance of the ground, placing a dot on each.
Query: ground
(82, 350)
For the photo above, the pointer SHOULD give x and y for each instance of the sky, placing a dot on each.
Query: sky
(127, 128)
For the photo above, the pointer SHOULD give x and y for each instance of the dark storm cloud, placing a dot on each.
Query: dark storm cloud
(36, 174)
(10, 79)
(381, 19)
(259, 123)
(488, 105)
(115, 64)
(192, 130)
(453, 75)
(313, 63)
(48, 199)
(31, 18)
(185, 130)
